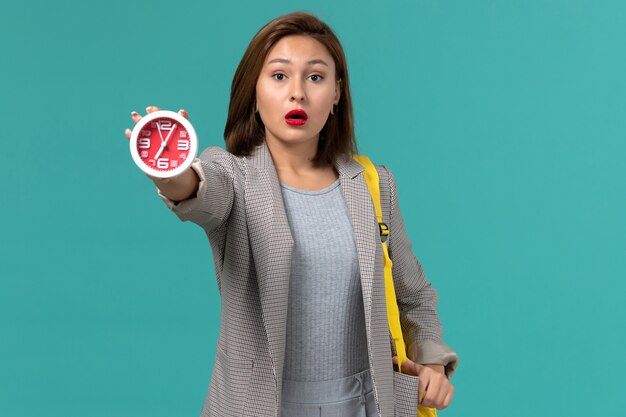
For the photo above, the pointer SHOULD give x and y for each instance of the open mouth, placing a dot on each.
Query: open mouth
(296, 117)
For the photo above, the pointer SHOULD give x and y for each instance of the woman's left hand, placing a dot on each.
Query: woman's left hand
(435, 390)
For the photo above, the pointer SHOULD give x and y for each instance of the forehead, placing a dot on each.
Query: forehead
(299, 49)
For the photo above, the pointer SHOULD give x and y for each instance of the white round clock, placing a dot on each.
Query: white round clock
(163, 144)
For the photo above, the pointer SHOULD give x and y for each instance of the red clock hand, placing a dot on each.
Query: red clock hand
(164, 143)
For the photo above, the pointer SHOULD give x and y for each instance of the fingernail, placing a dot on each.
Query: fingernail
(133, 113)
(148, 108)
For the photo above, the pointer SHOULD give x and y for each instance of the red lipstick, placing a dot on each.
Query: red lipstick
(296, 117)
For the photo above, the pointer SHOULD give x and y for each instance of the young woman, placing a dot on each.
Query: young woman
(297, 249)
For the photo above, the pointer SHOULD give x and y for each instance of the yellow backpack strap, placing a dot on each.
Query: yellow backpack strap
(393, 314)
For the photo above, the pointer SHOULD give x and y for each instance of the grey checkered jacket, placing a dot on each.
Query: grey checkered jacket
(240, 207)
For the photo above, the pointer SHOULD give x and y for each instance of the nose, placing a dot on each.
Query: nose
(297, 91)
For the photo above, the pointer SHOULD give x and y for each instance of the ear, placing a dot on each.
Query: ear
(337, 92)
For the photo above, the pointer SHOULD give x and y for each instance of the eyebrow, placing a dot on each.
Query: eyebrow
(286, 61)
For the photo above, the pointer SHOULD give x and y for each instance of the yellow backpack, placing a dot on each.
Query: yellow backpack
(393, 314)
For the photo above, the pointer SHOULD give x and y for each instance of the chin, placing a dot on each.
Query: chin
(295, 137)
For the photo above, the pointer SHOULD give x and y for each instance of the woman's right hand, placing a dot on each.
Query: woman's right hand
(136, 117)
(183, 185)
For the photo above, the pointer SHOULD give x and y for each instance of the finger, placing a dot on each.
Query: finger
(421, 393)
(135, 116)
(410, 367)
(394, 360)
(127, 132)
(428, 400)
(150, 109)
(421, 390)
(448, 399)
(441, 396)
(184, 113)
(435, 392)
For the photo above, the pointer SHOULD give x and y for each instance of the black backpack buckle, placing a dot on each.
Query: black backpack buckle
(384, 231)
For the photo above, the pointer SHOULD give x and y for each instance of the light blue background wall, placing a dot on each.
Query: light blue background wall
(503, 122)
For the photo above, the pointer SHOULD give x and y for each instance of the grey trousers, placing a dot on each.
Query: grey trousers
(352, 396)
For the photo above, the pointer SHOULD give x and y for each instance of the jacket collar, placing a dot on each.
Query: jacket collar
(345, 165)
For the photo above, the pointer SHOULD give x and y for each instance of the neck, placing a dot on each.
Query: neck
(292, 157)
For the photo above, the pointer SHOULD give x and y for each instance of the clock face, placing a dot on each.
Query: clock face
(163, 144)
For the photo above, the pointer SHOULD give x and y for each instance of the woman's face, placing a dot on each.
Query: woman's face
(298, 74)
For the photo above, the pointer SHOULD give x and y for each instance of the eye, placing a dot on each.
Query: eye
(316, 77)
(278, 77)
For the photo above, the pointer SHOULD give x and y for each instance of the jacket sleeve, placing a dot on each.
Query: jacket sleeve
(417, 299)
(211, 206)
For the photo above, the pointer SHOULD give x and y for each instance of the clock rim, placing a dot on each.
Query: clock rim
(193, 139)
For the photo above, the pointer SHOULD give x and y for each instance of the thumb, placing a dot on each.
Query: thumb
(408, 367)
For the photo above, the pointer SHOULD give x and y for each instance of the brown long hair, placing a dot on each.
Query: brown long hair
(244, 128)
